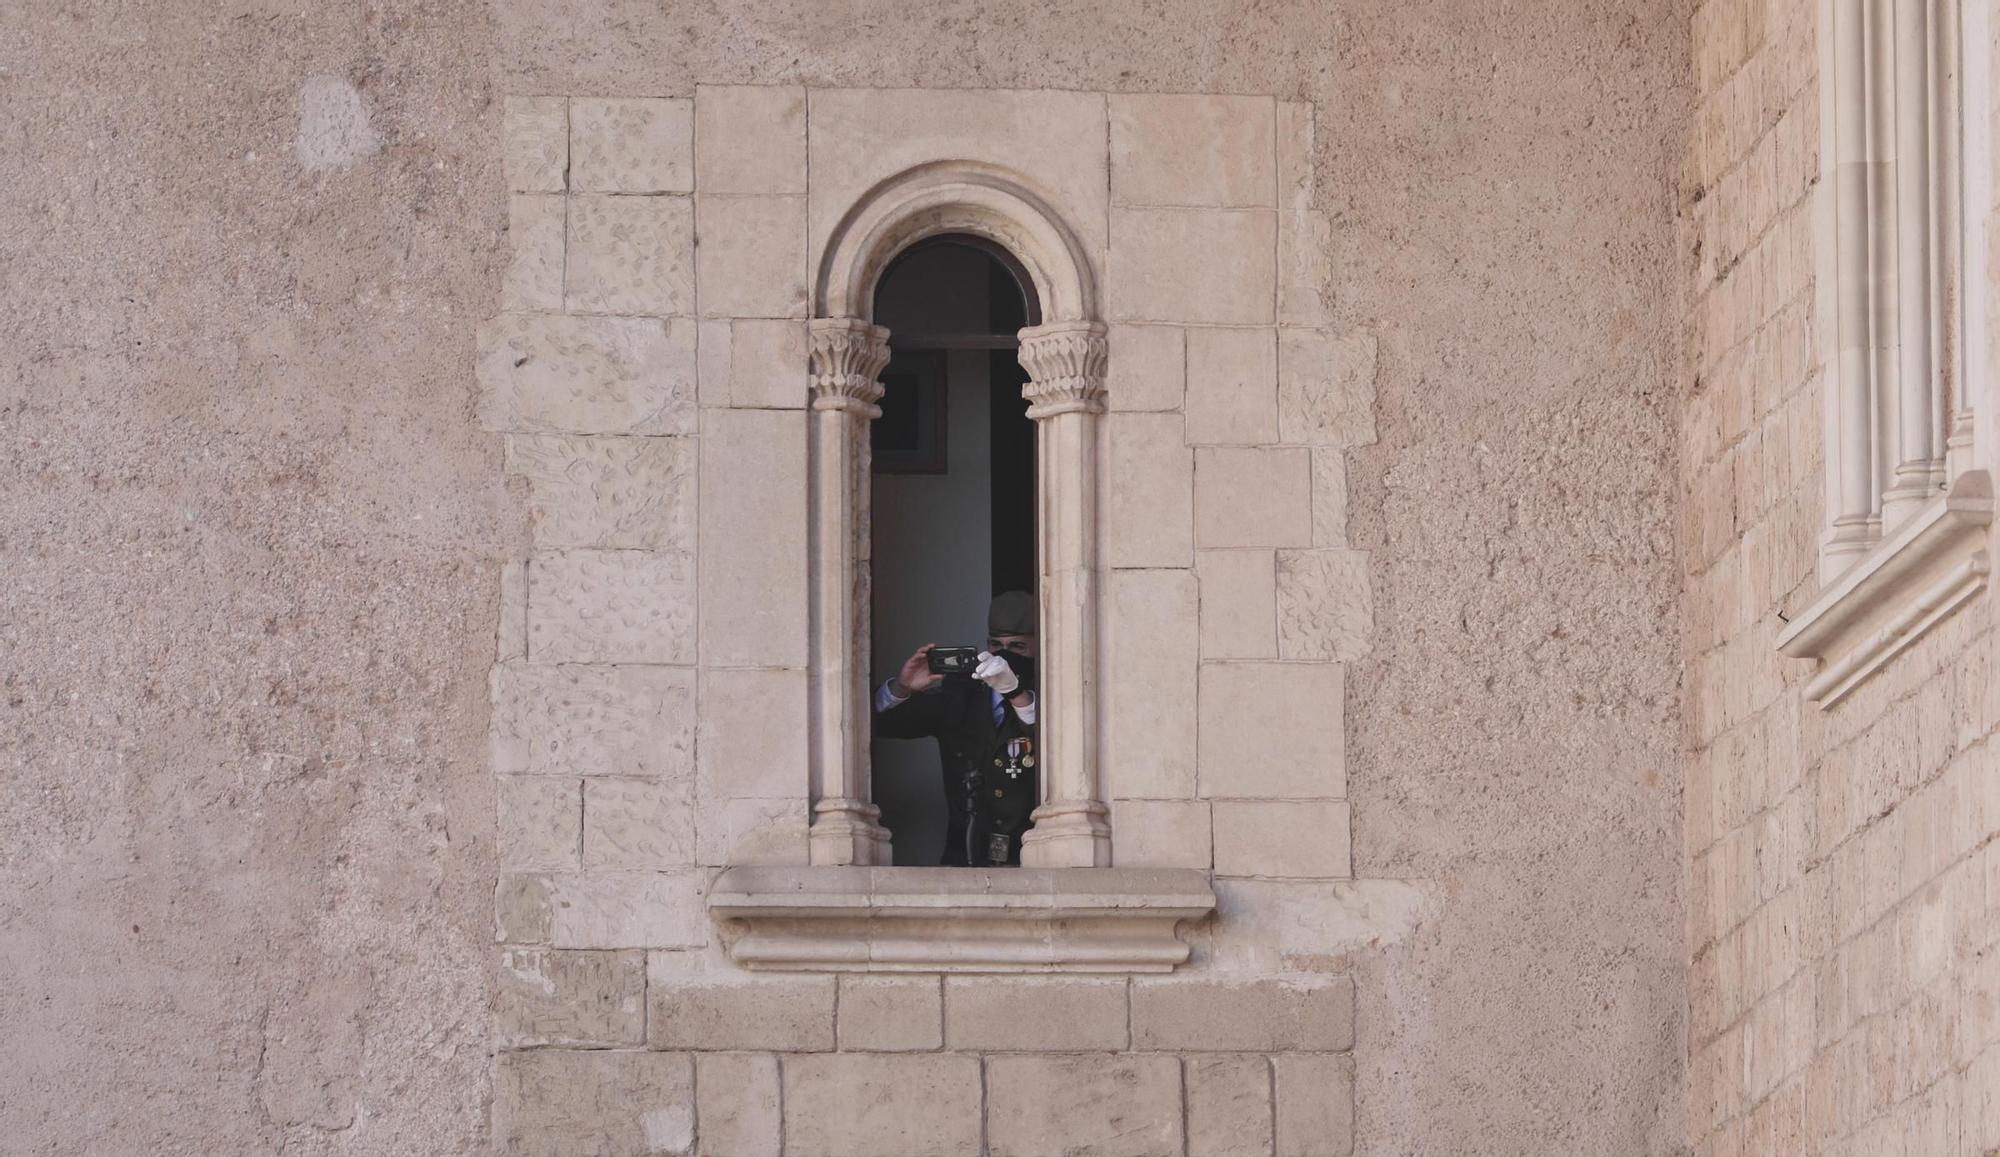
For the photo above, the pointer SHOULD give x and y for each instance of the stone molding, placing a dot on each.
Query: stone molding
(1065, 363)
(847, 359)
(1934, 563)
(857, 919)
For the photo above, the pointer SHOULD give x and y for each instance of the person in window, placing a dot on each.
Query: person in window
(985, 727)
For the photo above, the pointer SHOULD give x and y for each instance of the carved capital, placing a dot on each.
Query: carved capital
(1065, 363)
(847, 357)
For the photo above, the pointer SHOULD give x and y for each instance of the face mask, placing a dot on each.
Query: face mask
(1023, 667)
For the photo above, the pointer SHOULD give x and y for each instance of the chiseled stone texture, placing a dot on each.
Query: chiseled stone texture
(1228, 1105)
(1239, 604)
(736, 1101)
(882, 1105)
(1083, 1106)
(750, 138)
(603, 909)
(754, 599)
(750, 831)
(1326, 387)
(541, 822)
(1197, 1014)
(536, 228)
(1329, 497)
(781, 1013)
(536, 139)
(628, 493)
(753, 734)
(1192, 149)
(1035, 1013)
(1151, 652)
(1326, 606)
(587, 375)
(1160, 833)
(584, 720)
(1156, 254)
(1315, 1104)
(611, 606)
(1147, 367)
(1305, 234)
(1292, 838)
(1149, 491)
(594, 1103)
(1232, 386)
(1271, 730)
(631, 145)
(752, 258)
(638, 823)
(630, 255)
(551, 996)
(890, 1013)
(1252, 496)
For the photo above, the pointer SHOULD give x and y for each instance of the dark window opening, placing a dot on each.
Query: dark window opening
(953, 519)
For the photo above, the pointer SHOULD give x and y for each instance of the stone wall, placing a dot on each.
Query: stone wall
(1842, 884)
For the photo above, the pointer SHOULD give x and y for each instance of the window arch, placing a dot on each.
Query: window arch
(1065, 356)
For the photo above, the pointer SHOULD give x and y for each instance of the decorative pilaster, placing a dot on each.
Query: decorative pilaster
(1065, 363)
(847, 357)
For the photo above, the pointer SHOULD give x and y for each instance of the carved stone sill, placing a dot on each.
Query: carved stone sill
(1912, 580)
(848, 919)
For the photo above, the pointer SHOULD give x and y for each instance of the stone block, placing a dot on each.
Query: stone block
(1147, 368)
(736, 1098)
(1083, 1106)
(630, 255)
(1329, 496)
(752, 257)
(638, 823)
(753, 735)
(882, 1105)
(587, 375)
(1228, 1106)
(631, 145)
(535, 133)
(536, 224)
(1202, 1015)
(890, 1013)
(541, 821)
(1326, 609)
(1192, 149)
(1326, 387)
(1252, 496)
(1239, 604)
(1149, 492)
(1272, 731)
(611, 606)
(603, 909)
(1315, 1105)
(605, 491)
(751, 831)
(549, 996)
(1199, 266)
(1151, 658)
(754, 598)
(1290, 838)
(861, 137)
(596, 1103)
(755, 363)
(510, 636)
(1305, 234)
(576, 720)
(1232, 386)
(1160, 833)
(1035, 1014)
(750, 138)
(737, 1012)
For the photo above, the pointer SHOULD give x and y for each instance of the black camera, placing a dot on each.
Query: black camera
(954, 660)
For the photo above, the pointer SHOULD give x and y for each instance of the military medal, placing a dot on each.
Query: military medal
(1020, 756)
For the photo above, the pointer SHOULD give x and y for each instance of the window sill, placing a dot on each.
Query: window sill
(849, 919)
(1929, 568)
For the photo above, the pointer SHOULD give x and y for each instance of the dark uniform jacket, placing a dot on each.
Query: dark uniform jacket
(991, 766)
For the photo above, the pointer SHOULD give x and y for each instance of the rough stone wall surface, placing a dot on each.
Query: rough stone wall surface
(1841, 880)
(255, 533)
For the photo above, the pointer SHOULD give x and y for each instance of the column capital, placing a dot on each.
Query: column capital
(848, 354)
(1065, 362)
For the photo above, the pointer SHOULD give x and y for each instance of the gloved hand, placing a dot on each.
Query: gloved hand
(995, 673)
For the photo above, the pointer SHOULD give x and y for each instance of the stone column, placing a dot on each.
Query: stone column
(847, 356)
(1065, 363)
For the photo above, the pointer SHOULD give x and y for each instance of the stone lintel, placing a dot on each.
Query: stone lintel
(861, 919)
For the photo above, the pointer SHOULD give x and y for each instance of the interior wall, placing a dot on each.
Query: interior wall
(933, 559)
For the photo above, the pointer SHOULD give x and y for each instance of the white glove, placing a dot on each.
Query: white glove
(995, 673)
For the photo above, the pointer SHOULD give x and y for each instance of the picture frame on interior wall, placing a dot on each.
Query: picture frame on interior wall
(1899, 232)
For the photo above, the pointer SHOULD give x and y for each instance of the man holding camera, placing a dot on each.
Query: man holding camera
(984, 721)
